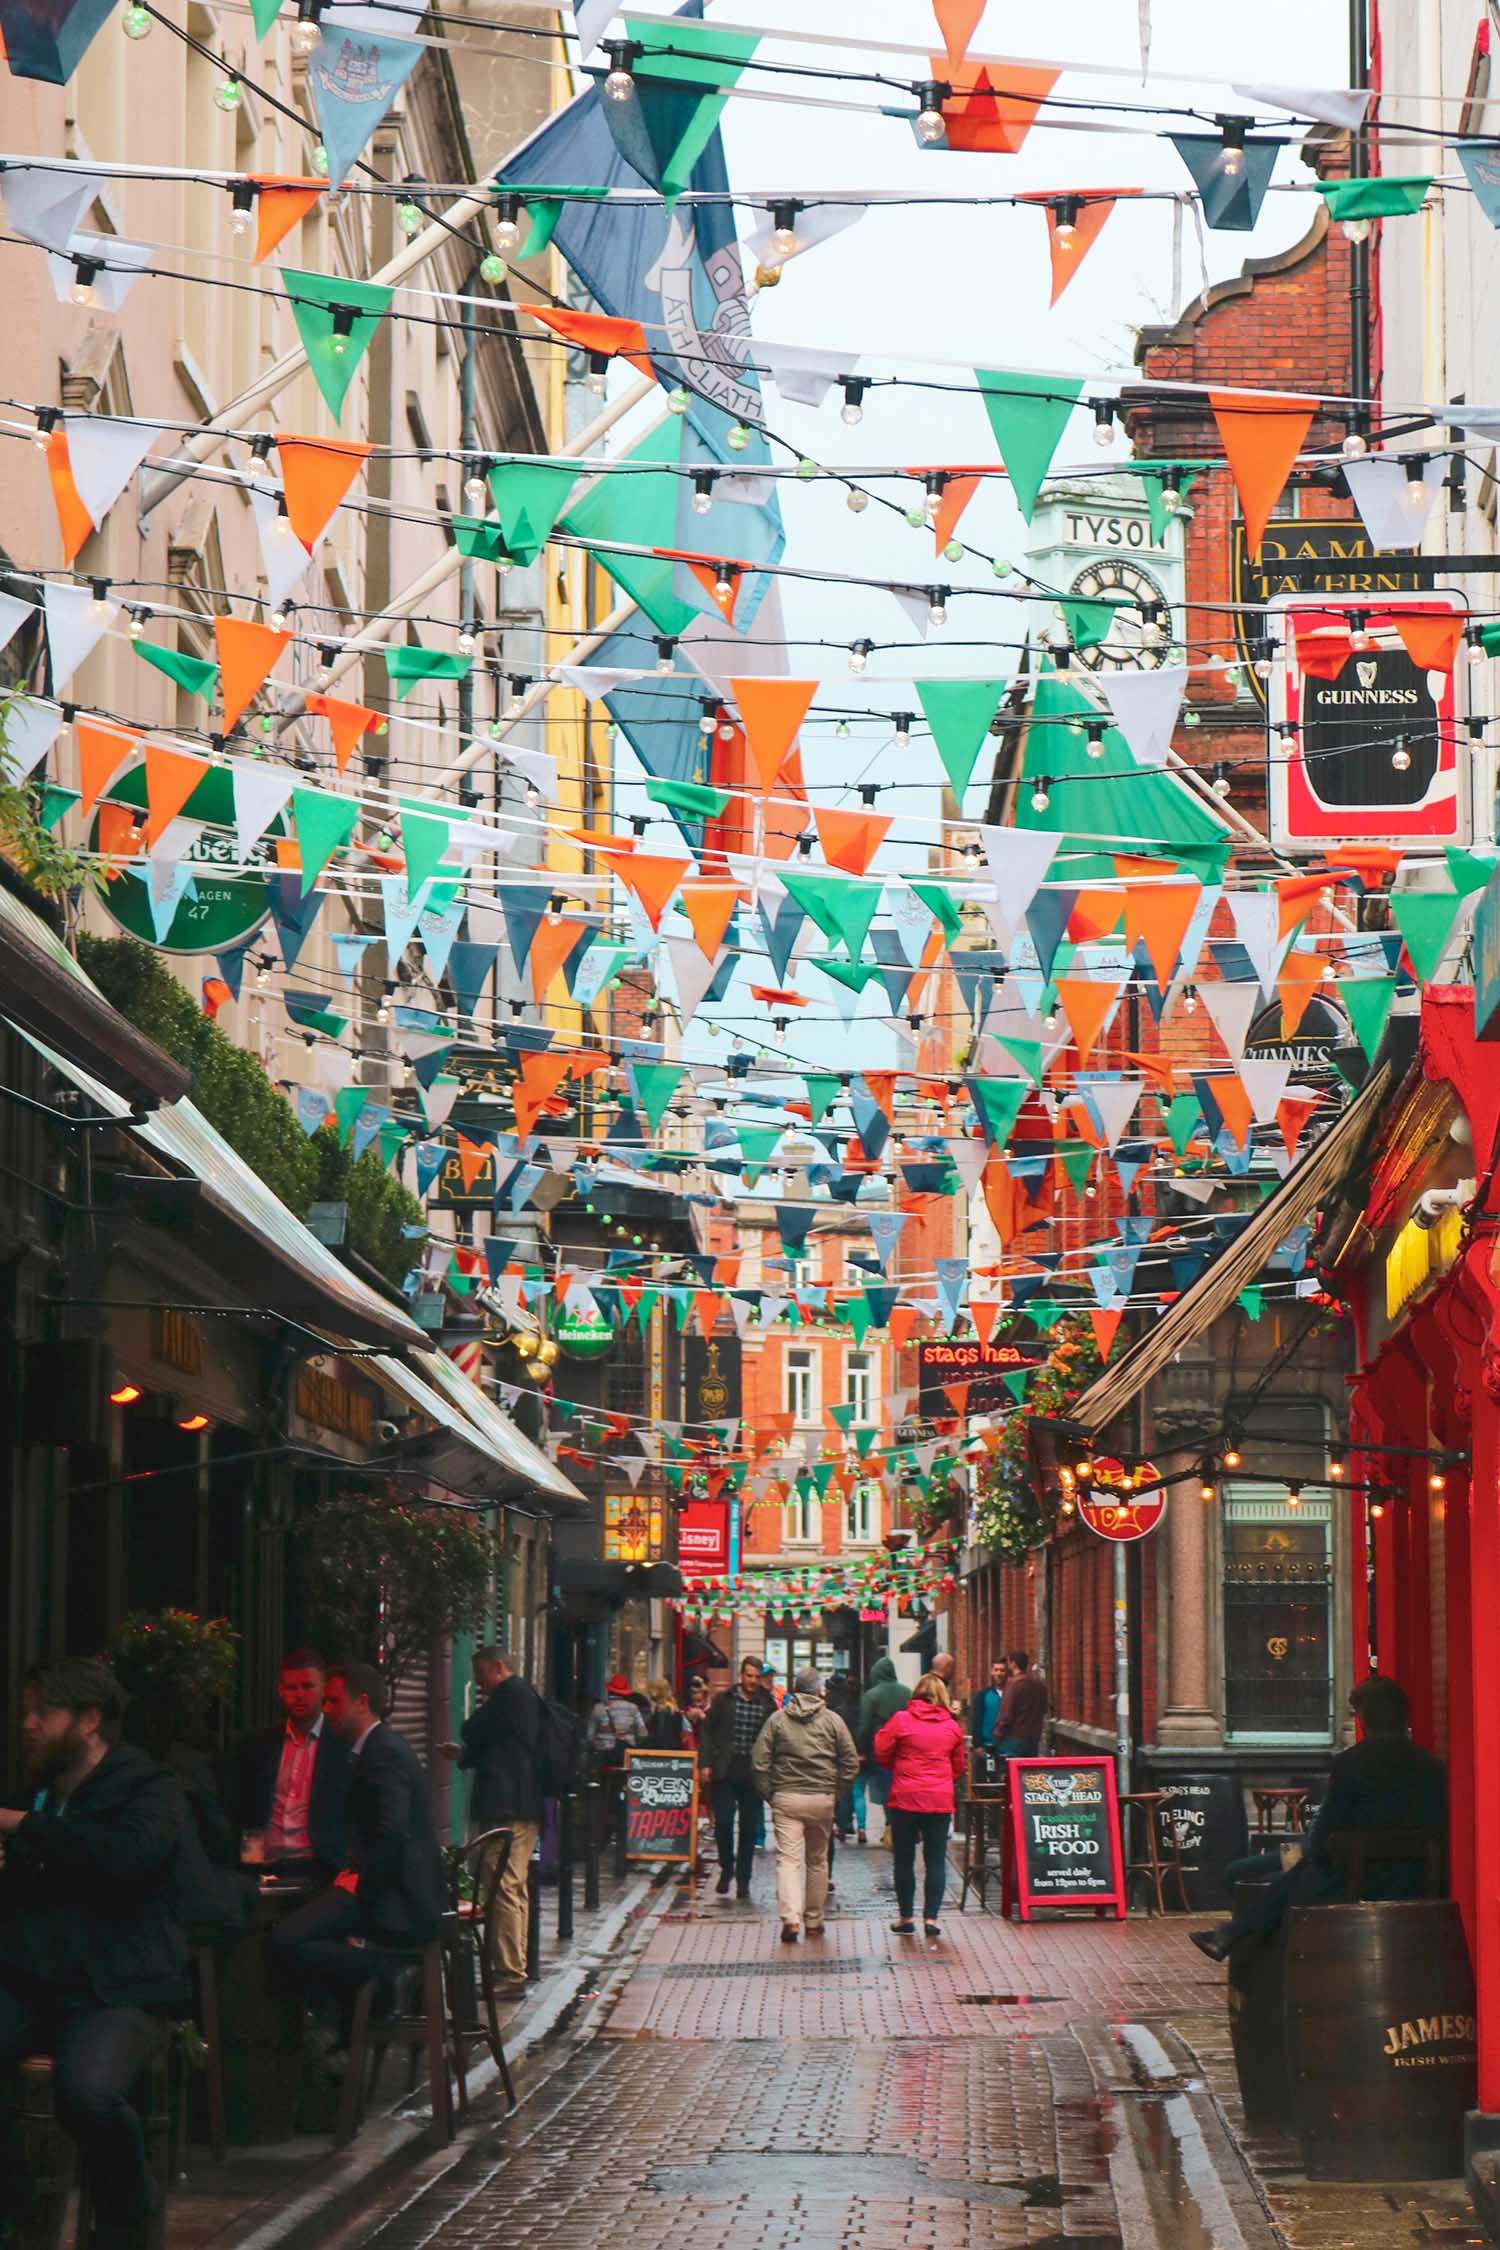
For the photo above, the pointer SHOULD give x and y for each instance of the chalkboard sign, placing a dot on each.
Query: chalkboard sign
(1205, 1812)
(661, 1805)
(1064, 1835)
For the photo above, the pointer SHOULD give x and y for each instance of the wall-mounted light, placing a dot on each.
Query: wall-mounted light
(125, 1394)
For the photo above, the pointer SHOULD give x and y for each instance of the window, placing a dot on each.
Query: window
(801, 1387)
(859, 1387)
(862, 1513)
(804, 1273)
(803, 1518)
(1278, 1673)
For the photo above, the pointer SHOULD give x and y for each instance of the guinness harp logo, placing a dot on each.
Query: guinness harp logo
(1366, 672)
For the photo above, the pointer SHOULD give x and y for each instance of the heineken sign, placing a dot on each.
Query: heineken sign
(583, 1333)
(230, 903)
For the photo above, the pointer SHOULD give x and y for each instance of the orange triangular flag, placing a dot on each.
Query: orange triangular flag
(957, 1395)
(1094, 914)
(880, 1085)
(1301, 974)
(119, 836)
(583, 1065)
(720, 581)
(315, 475)
(246, 652)
(1234, 1107)
(597, 332)
(1080, 1124)
(1296, 894)
(73, 519)
(1104, 1325)
(102, 750)
(984, 1315)
(348, 723)
(171, 778)
(1157, 915)
(902, 1321)
(652, 878)
(957, 20)
(472, 1158)
(550, 947)
(1324, 643)
(706, 1306)
(1086, 1002)
(540, 1076)
(1430, 642)
(850, 840)
(1261, 440)
(1292, 1114)
(279, 204)
(1069, 245)
(709, 906)
(771, 712)
(956, 494)
(561, 1284)
(727, 1271)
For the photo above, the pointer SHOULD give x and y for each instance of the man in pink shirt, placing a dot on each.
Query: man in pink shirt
(292, 1780)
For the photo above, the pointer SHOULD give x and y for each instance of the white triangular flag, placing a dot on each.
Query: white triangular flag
(437, 1100)
(1257, 916)
(1265, 1082)
(1231, 1009)
(1114, 1101)
(819, 224)
(802, 375)
(31, 728)
(118, 265)
(103, 455)
(596, 681)
(1145, 707)
(75, 626)
(1393, 506)
(915, 608)
(538, 766)
(1019, 859)
(46, 201)
(13, 615)
(590, 18)
(260, 792)
(1196, 1190)
(969, 1160)
(692, 974)
(1345, 106)
(282, 554)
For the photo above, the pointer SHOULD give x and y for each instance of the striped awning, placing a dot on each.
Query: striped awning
(1216, 1288)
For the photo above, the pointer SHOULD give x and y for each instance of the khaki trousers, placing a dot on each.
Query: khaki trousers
(508, 1931)
(802, 1825)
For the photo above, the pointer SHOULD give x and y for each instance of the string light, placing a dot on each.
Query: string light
(703, 491)
(1231, 157)
(931, 95)
(242, 207)
(1232, 1456)
(1094, 728)
(597, 377)
(508, 226)
(85, 273)
(856, 501)
(737, 437)
(619, 86)
(1221, 785)
(309, 29)
(1414, 495)
(1040, 797)
(854, 388)
(1400, 755)
(860, 653)
(1294, 1492)
(937, 605)
(135, 22)
(343, 327)
(227, 96)
(902, 729)
(476, 489)
(784, 229)
(1355, 446)
(1104, 421)
(666, 651)
(1065, 220)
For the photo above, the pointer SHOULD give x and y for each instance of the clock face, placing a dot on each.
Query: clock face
(1128, 646)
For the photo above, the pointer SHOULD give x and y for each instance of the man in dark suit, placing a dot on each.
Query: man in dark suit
(1385, 1781)
(498, 1747)
(292, 1781)
(391, 1894)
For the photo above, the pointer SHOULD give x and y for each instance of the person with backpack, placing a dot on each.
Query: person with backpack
(500, 1745)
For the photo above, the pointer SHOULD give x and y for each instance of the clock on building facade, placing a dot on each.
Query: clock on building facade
(1140, 636)
(1094, 539)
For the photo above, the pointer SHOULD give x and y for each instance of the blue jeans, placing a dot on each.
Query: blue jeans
(932, 1828)
(850, 1810)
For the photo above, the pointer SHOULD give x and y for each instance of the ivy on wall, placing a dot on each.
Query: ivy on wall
(239, 1101)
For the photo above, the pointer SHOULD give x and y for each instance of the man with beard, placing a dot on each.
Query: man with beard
(92, 1959)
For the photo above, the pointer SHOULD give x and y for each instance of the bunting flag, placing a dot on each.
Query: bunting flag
(355, 75)
(171, 778)
(959, 713)
(102, 750)
(74, 523)
(323, 824)
(1261, 440)
(1074, 225)
(408, 666)
(348, 723)
(336, 319)
(76, 623)
(316, 473)
(529, 498)
(1028, 414)
(280, 204)
(246, 653)
(771, 711)
(850, 840)
(48, 39)
(678, 96)
(103, 454)
(1395, 495)
(195, 675)
(1231, 181)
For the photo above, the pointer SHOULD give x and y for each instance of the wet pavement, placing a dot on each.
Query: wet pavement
(1064, 2082)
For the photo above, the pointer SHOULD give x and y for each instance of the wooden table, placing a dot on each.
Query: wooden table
(269, 2094)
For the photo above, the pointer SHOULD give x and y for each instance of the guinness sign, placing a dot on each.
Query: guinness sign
(1304, 557)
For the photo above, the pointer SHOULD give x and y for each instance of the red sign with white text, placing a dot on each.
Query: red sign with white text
(1122, 1516)
(703, 1539)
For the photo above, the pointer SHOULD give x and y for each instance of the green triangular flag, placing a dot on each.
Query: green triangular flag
(264, 14)
(822, 1476)
(1182, 1117)
(529, 498)
(481, 539)
(194, 674)
(842, 1416)
(959, 713)
(55, 802)
(542, 213)
(1469, 871)
(939, 901)
(1045, 1314)
(324, 824)
(424, 839)
(1253, 1299)
(758, 1142)
(843, 909)
(323, 303)
(1028, 414)
(393, 1139)
(645, 1306)
(998, 1102)
(347, 1104)
(652, 1086)
(406, 667)
(1076, 1159)
(1028, 1053)
(1367, 1003)
(1393, 195)
(1016, 1384)
(1424, 919)
(863, 1440)
(640, 510)
(857, 1316)
(853, 975)
(822, 1089)
(1154, 480)
(669, 123)
(694, 797)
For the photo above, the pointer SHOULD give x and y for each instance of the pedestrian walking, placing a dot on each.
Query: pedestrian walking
(1023, 1710)
(802, 1758)
(615, 1723)
(884, 1696)
(667, 1728)
(849, 1813)
(499, 1748)
(730, 1731)
(923, 1746)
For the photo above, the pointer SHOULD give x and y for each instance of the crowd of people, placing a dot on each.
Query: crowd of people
(115, 1858)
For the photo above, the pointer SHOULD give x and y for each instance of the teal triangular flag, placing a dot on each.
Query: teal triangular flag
(424, 839)
(652, 1086)
(324, 824)
(937, 897)
(529, 497)
(1028, 414)
(336, 318)
(1028, 1053)
(842, 908)
(406, 667)
(194, 674)
(1424, 919)
(959, 713)
(822, 1088)
(1367, 1003)
(998, 1102)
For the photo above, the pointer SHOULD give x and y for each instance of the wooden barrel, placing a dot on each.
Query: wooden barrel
(1380, 2039)
(1257, 1991)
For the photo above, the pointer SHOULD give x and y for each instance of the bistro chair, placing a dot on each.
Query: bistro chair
(49, 2157)
(475, 1913)
(1279, 1812)
(423, 2028)
(985, 1808)
(1156, 1865)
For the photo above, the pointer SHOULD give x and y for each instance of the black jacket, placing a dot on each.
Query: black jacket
(393, 1846)
(1383, 1782)
(87, 1894)
(499, 1740)
(717, 1745)
(256, 1763)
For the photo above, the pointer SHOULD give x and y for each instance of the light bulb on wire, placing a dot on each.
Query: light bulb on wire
(1231, 157)
(242, 207)
(860, 653)
(703, 491)
(930, 97)
(784, 229)
(508, 226)
(135, 22)
(619, 85)
(854, 387)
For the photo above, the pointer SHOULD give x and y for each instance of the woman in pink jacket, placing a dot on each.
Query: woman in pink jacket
(924, 1747)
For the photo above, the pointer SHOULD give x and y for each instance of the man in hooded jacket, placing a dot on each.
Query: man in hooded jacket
(882, 1699)
(802, 1760)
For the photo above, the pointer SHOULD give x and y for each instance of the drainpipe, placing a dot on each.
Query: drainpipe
(1359, 252)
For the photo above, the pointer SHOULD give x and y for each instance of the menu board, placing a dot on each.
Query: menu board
(1065, 1834)
(661, 1805)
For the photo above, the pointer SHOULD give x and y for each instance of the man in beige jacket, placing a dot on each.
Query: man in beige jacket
(803, 1759)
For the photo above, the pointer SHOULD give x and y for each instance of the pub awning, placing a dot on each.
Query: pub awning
(526, 1465)
(1217, 1287)
(45, 993)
